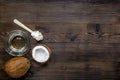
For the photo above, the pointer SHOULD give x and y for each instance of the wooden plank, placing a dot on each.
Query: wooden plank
(68, 12)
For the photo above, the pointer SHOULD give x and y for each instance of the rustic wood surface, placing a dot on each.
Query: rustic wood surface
(84, 36)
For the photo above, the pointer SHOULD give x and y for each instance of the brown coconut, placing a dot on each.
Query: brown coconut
(17, 67)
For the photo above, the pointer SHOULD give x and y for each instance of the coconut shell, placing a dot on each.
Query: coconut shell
(48, 48)
(17, 67)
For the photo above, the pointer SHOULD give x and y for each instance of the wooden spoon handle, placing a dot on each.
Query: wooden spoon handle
(22, 25)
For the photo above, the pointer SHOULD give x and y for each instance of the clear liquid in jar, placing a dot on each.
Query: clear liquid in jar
(18, 42)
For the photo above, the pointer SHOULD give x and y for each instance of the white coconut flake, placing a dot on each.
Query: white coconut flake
(37, 35)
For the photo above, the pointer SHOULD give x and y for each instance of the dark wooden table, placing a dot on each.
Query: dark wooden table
(84, 36)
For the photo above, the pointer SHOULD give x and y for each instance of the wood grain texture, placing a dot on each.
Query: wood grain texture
(84, 36)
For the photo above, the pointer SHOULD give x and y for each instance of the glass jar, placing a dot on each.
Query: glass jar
(17, 43)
